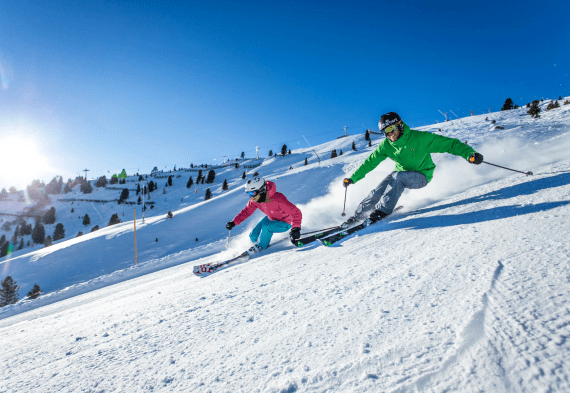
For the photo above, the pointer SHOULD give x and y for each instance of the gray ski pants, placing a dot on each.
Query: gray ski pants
(386, 195)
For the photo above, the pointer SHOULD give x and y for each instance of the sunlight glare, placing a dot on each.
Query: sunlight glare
(21, 161)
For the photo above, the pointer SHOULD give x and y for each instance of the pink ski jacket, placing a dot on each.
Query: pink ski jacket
(276, 207)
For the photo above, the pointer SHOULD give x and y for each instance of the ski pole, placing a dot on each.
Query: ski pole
(344, 208)
(514, 170)
(229, 234)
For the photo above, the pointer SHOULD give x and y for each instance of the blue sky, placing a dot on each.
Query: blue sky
(107, 85)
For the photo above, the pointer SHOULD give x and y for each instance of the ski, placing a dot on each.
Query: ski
(335, 237)
(311, 238)
(208, 268)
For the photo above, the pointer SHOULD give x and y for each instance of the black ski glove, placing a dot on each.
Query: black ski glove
(475, 158)
(347, 182)
(295, 234)
(230, 225)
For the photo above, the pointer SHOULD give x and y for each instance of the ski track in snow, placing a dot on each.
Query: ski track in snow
(466, 290)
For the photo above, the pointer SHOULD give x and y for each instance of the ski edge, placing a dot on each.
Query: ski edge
(326, 241)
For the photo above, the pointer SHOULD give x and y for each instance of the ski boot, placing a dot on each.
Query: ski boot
(376, 215)
(349, 223)
(255, 249)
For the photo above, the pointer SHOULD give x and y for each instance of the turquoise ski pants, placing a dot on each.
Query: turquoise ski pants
(267, 228)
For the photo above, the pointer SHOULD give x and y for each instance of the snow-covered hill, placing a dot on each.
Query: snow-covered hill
(466, 289)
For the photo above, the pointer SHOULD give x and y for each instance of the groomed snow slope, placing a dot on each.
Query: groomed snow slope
(465, 290)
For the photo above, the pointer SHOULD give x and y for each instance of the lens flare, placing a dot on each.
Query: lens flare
(6, 74)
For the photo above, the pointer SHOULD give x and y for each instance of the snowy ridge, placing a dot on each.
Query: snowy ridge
(467, 290)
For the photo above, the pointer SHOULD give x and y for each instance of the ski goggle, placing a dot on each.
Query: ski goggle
(252, 193)
(391, 129)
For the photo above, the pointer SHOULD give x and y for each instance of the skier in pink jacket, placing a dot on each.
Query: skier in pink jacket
(281, 214)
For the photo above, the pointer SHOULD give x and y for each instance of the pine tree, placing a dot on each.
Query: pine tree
(151, 186)
(340, 154)
(4, 249)
(242, 154)
(353, 146)
(283, 150)
(72, 210)
(102, 181)
(3, 194)
(48, 241)
(367, 136)
(508, 105)
(243, 176)
(138, 189)
(9, 292)
(211, 176)
(190, 182)
(59, 232)
(21, 246)
(169, 214)
(289, 152)
(54, 186)
(86, 219)
(16, 234)
(86, 188)
(208, 194)
(124, 195)
(38, 233)
(170, 180)
(35, 292)
(333, 153)
(369, 143)
(139, 201)
(2, 240)
(67, 187)
(225, 185)
(49, 217)
(114, 219)
(270, 153)
(79, 234)
(95, 228)
(306, 161)
(534, 110)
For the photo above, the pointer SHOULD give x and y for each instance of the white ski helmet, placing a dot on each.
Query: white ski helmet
(255, 186)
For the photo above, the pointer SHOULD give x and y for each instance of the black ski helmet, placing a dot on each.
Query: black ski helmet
(388, 119)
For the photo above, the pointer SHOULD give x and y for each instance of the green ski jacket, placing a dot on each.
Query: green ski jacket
(412, 152)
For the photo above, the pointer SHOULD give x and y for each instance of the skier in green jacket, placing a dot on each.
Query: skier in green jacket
(411, 151)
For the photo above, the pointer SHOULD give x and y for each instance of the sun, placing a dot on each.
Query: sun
(21, 161)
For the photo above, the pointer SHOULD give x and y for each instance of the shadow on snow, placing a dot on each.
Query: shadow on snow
(496, 213)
